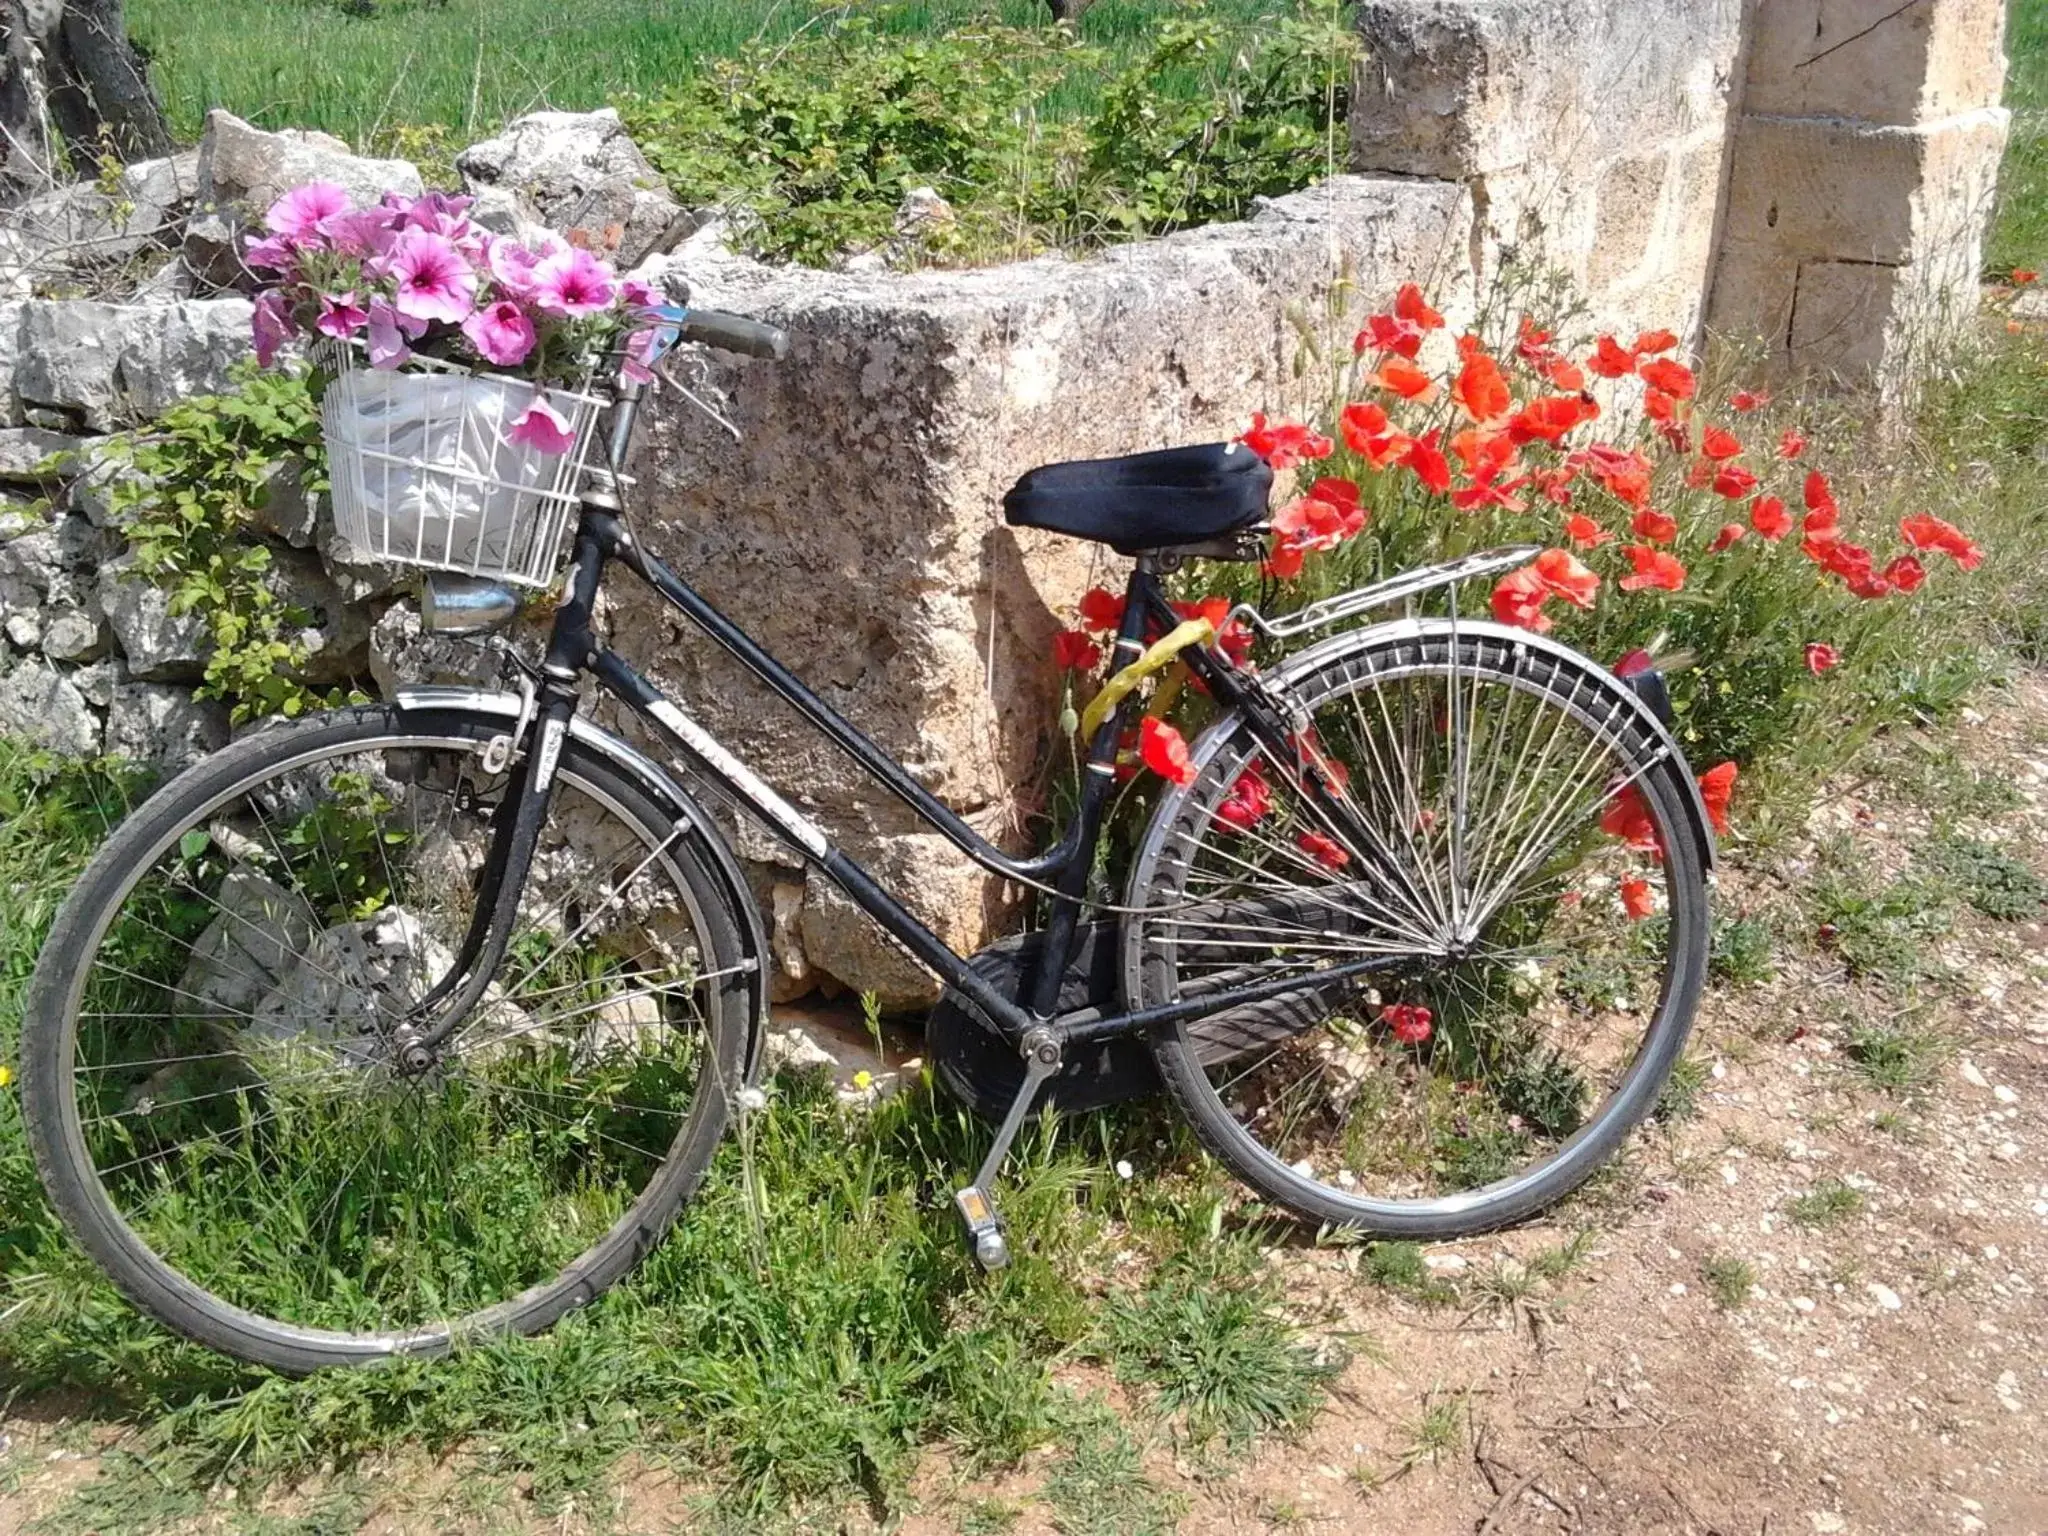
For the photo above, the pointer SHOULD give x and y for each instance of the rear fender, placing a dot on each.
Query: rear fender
(704, 837)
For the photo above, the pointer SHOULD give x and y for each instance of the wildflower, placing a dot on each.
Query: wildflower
(1719, 443)
(1124, 1170)
(1717, 786)
(1767, 515)
(1625, 476)
(1411, 306)
(1636, 899)
(1729, 534)
(1285, 444)
(1657, 527)
(434, 282)
(361, 232)
(388, 333)
(298, 214)
(1584, 532)
(1611, 360)
(1250, 798)
(1820, 501)
(752, 1098)
(1653, 568)
(1489, 491)
(1568, 376)
(542, 426)
(273, 253)
(2024, 275)
(1162, 749)
(1564, 577)
(1674, 379)
(1549, 418)
(1284, 561)
(1628, 817)
(501, 333)
(1400, 377)
(1388, 333)
(1518, 599)
(572, 283)
(1309, 522)
(1368, 433)
(1747, 400)
(1323, 850)
(1481, 390)
(1821, 658)
(270, 327)
(1792, 444)
(1924, 530)
(1101, 610)
(863, 1080)
(1073, 651)
(1408, 1022)
(1905, 574)
(1734, 482)
(1651, 342)
(1428, 462)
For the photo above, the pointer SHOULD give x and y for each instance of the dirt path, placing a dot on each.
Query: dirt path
(1816, 1303)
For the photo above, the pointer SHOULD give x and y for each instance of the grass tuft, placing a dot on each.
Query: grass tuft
(1829, 1203)
(1728, 1280)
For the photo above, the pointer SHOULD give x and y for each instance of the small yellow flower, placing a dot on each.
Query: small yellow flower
(6, 1074)
(863, 1080)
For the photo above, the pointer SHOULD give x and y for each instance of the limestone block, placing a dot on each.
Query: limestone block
(1876, 61)
(857, 532)
(38, 703)
(110, 365)
(25, 450)
(335, 632)
(160, 646)
(239, 164)
(163, 727)
(580, 171)
(83, 227)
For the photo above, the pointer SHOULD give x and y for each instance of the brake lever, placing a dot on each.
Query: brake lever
(666, 375)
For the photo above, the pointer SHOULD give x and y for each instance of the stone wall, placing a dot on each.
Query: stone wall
(1815, 171)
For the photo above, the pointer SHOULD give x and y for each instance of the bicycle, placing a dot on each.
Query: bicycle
(388, 1028)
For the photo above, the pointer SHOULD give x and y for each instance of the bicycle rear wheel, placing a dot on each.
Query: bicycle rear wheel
(209, 1075)
(1512, 851)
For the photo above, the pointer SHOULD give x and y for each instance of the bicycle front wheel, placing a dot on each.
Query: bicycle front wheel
(1505, 857)
(210, 1080)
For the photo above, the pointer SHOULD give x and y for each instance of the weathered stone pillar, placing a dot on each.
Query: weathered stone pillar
(1865, 161)
(1590, 134)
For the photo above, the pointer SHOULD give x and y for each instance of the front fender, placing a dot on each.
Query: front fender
(709, 841)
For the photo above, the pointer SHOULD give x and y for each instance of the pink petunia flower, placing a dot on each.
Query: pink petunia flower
(511, 264)
(635, 294)
(298, 213)
(340, 316)
(389, 333)
(272, 253)
(572, 283)
(434, 282)
(359, 232)
(270, 328)
(542, 427)
(438, 213)
(501, 333)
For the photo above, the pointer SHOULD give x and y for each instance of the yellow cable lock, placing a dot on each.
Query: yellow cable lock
(1159, 654)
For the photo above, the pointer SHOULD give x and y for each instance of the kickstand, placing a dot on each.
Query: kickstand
(976, 1203)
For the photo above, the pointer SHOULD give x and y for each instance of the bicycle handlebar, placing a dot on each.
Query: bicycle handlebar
(736, 333)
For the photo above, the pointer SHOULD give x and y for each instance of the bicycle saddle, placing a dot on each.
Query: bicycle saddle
(1146, 500)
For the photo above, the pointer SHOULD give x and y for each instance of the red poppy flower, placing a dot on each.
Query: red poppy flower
(2024, 275)
(1625, 476)
(1518, 599)
(1563, 576)
(1533, 346)
(1924, 530)
(1730, 532)
(1747, 400)
(1074, 651)
(1821, 658)
(1653, 568)
(1568, 376)
(1699, 474)
(1324, 851)
(1481, 390)
(1634, 663)
(1429, 463)
(1250, 798)
(1548, 419)
(1399, 376)
(1734, 482)
(1369, 434)
(1411, 306)
(1489, 491)
(1324, 518)
(1554, 481)
(1162, 749)
(1661, 408)
(1657, 527)
(1869, 586)
(1906, 573)
(1409, 1023)
(1767, 515)
(1649, 342)
(1386, 333)
(1611, 360)
(1674, 379)
(1628, 817)
(1284, 444)
(1584, 532)
(1312, 755)
(1792, 444)
(1717, 787)
(1636, 899)
(1820, 498)
(1101, 610)
(1484, 453)
(1284, 560)
(1718, 443)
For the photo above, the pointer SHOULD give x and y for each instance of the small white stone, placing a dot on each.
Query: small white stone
(2005, 1094)
(2006, 1151)
(1678, 1288)
(1884, 1296)
(1802, 1303)
(1446, 1263)
(1972, 1076)
(1123, 1168)
(1729, 1175)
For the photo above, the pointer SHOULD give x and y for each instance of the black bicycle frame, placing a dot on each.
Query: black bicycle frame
(574, 649)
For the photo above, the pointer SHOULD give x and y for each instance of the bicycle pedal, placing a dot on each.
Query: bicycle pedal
(984, 1227)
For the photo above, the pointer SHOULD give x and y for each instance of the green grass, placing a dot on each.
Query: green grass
(2019, 235)
(1895, 1056)
(1827, 1204)
(1728, 1280)
(464, 66)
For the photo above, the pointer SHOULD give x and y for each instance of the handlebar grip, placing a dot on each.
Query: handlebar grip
(736, 333)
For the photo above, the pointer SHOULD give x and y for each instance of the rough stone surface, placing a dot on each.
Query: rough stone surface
(110, 365)
(891, 583)
(74, 232)
(337, 634)
(163, 727)
(39, 704)
(24, 451)
(577, 171)
(1875, 61)
(1589, 134)
(160, 646)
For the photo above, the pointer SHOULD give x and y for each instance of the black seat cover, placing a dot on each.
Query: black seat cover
(1146, 500)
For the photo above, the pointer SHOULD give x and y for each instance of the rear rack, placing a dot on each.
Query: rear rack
(1381, 594)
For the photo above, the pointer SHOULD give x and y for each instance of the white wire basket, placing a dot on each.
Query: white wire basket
(424, 472)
